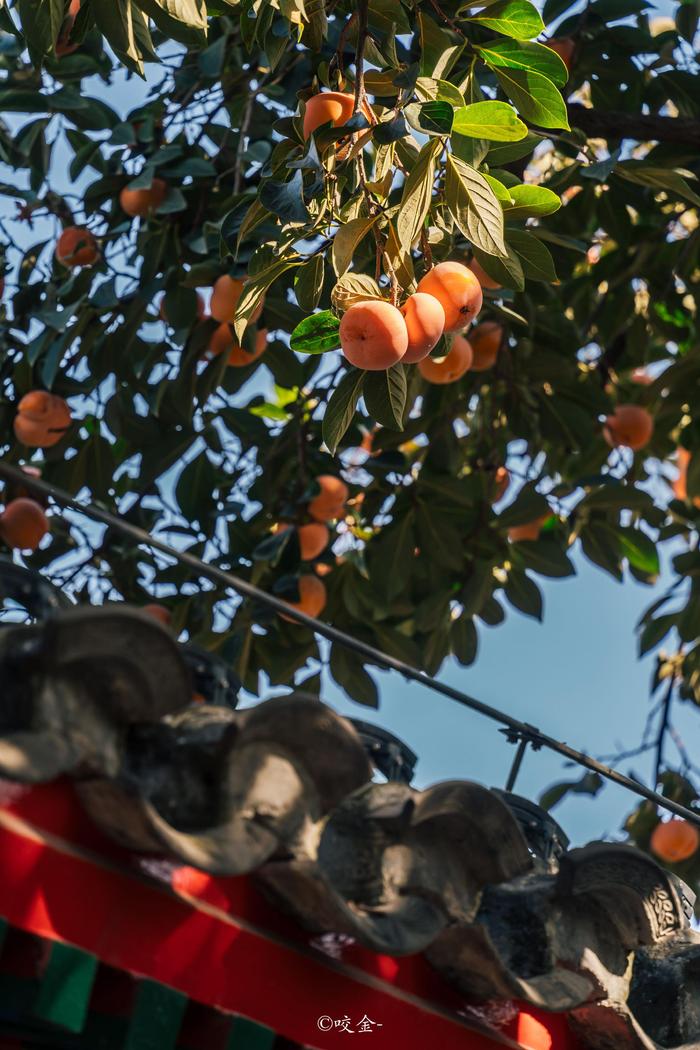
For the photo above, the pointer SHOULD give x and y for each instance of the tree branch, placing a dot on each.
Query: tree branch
(618, 125)
(663, 729)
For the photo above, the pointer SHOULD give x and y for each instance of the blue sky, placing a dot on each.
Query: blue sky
(576, 676)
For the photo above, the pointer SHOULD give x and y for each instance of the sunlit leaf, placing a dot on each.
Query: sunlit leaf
(316, 334)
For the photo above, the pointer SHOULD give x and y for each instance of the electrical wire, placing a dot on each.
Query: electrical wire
(515, 730)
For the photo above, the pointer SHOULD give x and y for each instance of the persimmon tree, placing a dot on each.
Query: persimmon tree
(563, 177)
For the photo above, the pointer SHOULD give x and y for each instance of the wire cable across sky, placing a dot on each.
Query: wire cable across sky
(516, 730)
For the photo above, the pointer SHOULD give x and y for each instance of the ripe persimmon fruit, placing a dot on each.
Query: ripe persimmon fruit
(77, 247)
(312, 596)
(629, 425)
(329, 107)
(564, 47)
(224, 341)
(482, 277)
(225, 297)
(63, 45)
(42, 419)
(529, 531)
(425, 323)
(159, 613)
(373, 335)
(458, 291)
(23, 524)
(674, 840)
(486, 340)
(450, 368)
(330, 501)
(501, 483)
(313, 539)
(680, 485)
(141, 202)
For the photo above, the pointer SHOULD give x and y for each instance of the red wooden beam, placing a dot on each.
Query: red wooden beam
(220, 944)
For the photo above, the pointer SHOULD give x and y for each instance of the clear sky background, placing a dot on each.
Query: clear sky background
(576, 676)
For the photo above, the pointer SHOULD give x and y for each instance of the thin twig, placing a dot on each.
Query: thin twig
(663, 728)
(446, 18)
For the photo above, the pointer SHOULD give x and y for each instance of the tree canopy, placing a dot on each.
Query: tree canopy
(566, 176)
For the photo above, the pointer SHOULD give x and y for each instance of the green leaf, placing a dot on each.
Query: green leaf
(417, 194)
(341, 408)
(536, 258)
(616, 496)
(385, 396)
(655, 631)
(195, 487)
(501, 191)
(428, 89)
(495, 121)
(393, 552)
(531, 200)
(438, 537)
(114, 19)
(41, 22)
(464, 640)
(535, 96)
(669, 179)
(640, 550)
(174, 202)
(546, 556)
(474, 206)
(525, 54)
(347, 239)
(523, 594)
(180, 307)
(348, 671)
(315, 25)
(504, 154)
(508, 270)
(255, 289)
(528, 505)
(430, 118)
(273, 546)
(602, 169)
(308, 282)
(316, 334)
(439, 48)
(183, 20)
(516, 18)
(285, 199)
(589, 784)
(601, 545)
(142, 35)
(477, 589)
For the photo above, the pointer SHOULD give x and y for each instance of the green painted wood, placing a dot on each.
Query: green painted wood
(66, 987)
(104, 1032)
(17, 996)
(247, 1035)
(157, 1017)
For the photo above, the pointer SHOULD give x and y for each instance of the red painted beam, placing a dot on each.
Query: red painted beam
(218, 942)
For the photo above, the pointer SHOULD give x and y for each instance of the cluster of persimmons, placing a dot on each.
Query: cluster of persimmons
(374, 335)
(327, 505)
(78, 246)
